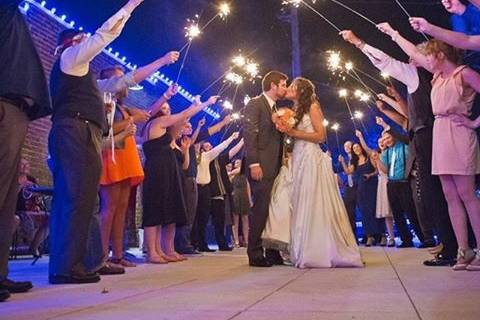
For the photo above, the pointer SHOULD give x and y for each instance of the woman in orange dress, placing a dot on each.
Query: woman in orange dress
(120, 174)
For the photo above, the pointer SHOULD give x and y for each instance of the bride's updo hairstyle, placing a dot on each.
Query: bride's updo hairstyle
(306, 97)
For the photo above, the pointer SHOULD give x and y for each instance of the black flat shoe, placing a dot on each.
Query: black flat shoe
(15, 286)
(225, 249)
(4, 295)
(440, 261)
(260, 263)
(206, 249)
(74, 278)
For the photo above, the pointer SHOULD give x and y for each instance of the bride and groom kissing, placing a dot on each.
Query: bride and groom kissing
(300, 201)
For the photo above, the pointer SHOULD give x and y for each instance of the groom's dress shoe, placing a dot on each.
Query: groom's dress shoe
(274, 257)
(260, 262)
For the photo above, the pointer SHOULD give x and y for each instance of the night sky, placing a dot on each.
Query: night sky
(254, 26)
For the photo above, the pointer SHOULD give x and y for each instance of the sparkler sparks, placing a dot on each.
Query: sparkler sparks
(192, 31)
(334, 60)
(239, 61)
(252, 69)
(385, 75)
(224, 10)
(342, 93)
(227, 105)
(236, 116)
(326, 122)
(349, 66)
(234, 78)
(358, 115)
(335, 127)
(246, 100)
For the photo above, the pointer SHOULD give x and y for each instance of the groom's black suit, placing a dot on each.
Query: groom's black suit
(264, 146)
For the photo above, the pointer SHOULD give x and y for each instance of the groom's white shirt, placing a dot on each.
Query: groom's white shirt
(271, 103)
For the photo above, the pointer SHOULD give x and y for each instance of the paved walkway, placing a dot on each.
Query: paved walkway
(221, 286)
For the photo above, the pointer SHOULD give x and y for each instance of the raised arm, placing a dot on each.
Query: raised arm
(166, 96)
(319, 135)
(185, 147)
(391, 114)
(116, 84)
(75, 60)
(219, 126)
(403, 72)
(195, 134)
(215, 152)
(456, 39)
(197, 106)
(236, 149)
(409, 48)
(364, 144)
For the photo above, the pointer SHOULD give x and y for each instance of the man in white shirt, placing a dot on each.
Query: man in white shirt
(74, 144)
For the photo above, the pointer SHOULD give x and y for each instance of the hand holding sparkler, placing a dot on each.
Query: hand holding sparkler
(132, 5)
(212, 100)
(171, 91)
(359, 134)
(352, 38)
(170, 58)
(420, 25)
(386, 28)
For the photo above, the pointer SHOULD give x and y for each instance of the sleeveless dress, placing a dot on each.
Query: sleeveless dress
(241, 203)
(321, 235)
(163, 199)
(367, 200)
(455, 148)
(127, 162)
(383, 209)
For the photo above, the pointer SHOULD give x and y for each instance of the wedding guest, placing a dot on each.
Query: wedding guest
(183, 239)
(121, 176)
(163, 199)
(454, 88)
(393, 162)
(366, 175)
(383, 209)
(220, 189)
(23, 98)
(74, 144)
(206, 154)
(242, 202)
(31, 206)
(350, 193)
(420, 129)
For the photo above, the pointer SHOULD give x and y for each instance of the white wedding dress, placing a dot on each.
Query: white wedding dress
(320, 231)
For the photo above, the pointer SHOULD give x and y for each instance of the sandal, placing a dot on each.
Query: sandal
(156, 260)
(464, 258)
(123, 262)
(475, 264)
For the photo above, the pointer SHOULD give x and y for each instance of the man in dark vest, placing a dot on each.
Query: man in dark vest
(74, 144)
(23, 98)
(420, 128)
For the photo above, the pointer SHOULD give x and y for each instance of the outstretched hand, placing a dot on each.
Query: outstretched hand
(420, 24)
(386, 28)
(350, 37)
(170, 57)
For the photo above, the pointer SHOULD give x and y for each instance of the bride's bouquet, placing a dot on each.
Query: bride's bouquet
(284, 119)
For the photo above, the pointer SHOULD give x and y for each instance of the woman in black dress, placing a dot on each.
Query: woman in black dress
(163, 201)
(367, 193)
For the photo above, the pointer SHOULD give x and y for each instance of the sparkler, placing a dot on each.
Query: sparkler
(326, 123)
(297, 3)
(409, 16)
(335, 127)
(386, 76)
(359, 116)
(355, 12)
(343, 93)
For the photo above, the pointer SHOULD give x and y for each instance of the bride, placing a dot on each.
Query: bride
(320, 232)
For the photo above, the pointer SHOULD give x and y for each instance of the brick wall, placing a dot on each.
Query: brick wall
(44, 30)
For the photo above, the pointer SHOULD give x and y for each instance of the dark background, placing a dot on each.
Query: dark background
(255, 26)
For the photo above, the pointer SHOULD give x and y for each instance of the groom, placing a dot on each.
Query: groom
(264, 146)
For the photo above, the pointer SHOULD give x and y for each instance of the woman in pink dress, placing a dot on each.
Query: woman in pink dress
(456, 153)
